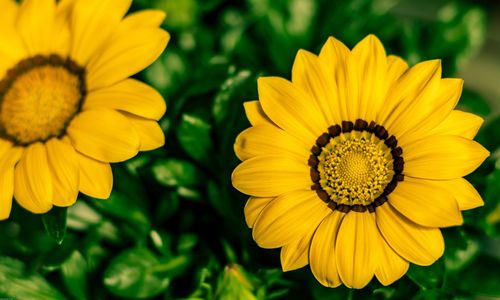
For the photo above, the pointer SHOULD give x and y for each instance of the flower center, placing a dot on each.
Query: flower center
(355, 166)
(39, 97)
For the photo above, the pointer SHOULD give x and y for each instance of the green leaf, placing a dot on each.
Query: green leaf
(194, 136)
(74, 272)
(176, 172)
(131, 275)
(427, 277)
(19, 283)
(55, 223)
(480, 278)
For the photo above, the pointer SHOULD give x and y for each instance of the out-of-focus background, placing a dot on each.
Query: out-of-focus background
(174, 227)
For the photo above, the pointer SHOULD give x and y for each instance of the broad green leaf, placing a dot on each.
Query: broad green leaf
(194, 136)
(55, 223)
(480, 278)
(74, 273)
(18, 282)
(427, 277)
(131, 275)
(176, 172)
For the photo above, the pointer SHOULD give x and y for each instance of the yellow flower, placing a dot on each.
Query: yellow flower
(355, 165)
(67, 106)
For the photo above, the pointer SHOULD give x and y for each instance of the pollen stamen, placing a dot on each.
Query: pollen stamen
(39, 97)
(355, 166)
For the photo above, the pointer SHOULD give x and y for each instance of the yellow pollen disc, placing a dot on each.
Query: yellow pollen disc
(355, 168)
(39, 104)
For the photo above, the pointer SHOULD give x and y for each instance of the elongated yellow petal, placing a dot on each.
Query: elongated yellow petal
(93, 22)
(366, 71)
(33, 188)
(465, 194)
(271, 176)
(253, 209)
(96, 178)
(127, 55)
(145, 18)
(417, 244)
(444, 101)
(255, 113)
(425, 203)
(296, 254)
(35, 24)
(396, 67)
(443, 157)
(358, 249)
(288, 217)
(322, 253)
(334, 56)
(9, 13)
(309, 74)
(9, 157)
(390, 266)
(129, 95)
(291, 109)
(411, 99)
(150, 133)
(105, 135)
(269, 140)
(459, 123)
(65, 172)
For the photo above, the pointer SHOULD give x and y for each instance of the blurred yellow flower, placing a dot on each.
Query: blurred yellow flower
(355, 165)
(67, 106)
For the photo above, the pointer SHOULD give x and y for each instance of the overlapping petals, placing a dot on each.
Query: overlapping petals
(414, 104)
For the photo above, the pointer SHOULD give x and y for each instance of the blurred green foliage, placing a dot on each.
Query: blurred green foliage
(174, 228)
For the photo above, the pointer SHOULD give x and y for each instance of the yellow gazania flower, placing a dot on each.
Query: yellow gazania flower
(67, 106)
(355, 165)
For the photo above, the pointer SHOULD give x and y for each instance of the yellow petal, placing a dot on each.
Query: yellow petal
(291, 109)
(396, 67)
(92, 23)
(12, 48)
(9, 13)
(296, 254)
(270, 176)
(253, 208)
(357, 249)
(269, 140)
(255, 113)
(150, 133)
(33, 180)
(417, 244)
(459, 123)
(425, 203)
(390, 266)
(35, 25)
(9, 158)
(333, 56)
(465, 194)
(289, 217)
(105, 135)
(144, 18)
(128, 54)
(322, 253)
(444, 101)
(96, 178)
(65, 172)
(129, 95)
(309, 74)
(410, 100)
(443, 157)
(366, 71)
